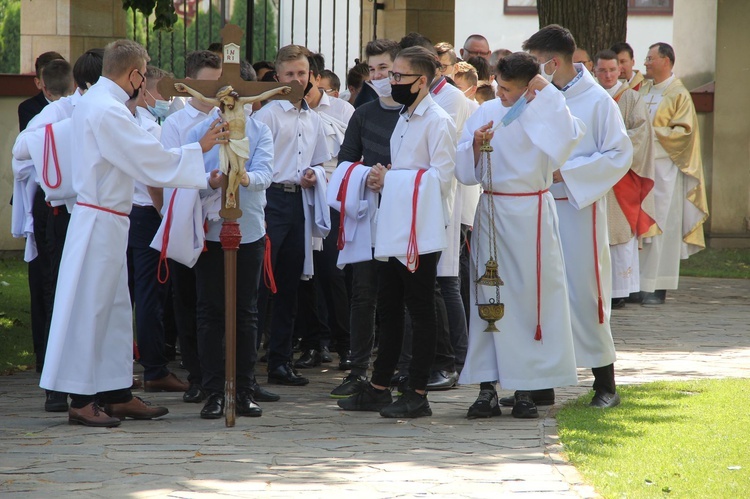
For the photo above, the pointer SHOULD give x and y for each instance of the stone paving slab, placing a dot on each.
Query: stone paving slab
(305, 446)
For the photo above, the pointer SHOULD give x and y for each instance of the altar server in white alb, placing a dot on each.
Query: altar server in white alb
(414, 210)
(534, 348)
(597, 163)
(89, 354)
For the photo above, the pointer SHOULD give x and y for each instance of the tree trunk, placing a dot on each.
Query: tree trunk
(595, 25)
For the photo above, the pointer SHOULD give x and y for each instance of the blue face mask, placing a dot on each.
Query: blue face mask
(514, 112)
(160, 109)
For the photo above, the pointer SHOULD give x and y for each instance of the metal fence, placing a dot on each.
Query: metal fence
(331, 27)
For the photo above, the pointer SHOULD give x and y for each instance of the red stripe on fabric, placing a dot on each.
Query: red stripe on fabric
(600, 302)
(268, 277)
(165, 243)
(412, 250)
(439, 86)
(341, 196)
(538, 332)
(102, 208)
(50, 146)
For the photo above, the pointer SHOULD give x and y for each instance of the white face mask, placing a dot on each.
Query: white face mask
(544, 74)
(382, 87)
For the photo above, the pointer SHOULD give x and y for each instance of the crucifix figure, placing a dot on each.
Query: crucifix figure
(252, 91)
(232, 156)
(230, 93)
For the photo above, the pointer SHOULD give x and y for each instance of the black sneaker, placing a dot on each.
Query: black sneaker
(485, 406)
(409, 405)
(524, 408)
(325, 355)
(367, 399)
(352, 384)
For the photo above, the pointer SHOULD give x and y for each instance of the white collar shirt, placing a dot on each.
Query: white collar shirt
(298, 139)
(175, 128)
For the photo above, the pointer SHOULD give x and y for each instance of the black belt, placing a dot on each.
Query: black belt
(291, 188)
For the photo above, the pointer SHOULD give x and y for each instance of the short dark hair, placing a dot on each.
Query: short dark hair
(481, 65)
(415, 39)
(247, 72)
(421, 61)
(216, 47)
(552, 39)
(622, 47)
(335, 80)
(57, 77)
(88, 68)
(199, 59)
(518, 67)
(45, 59)
(382, 46)
(485, 92)
(317, 63)
(356, 76)
(665, 50)
(607, 55)
(257, 66)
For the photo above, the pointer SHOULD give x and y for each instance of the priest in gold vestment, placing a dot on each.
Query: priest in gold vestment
(680, 192)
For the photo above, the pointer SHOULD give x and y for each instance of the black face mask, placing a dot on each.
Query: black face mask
(308, 87)
(136, 91)
(403, 95)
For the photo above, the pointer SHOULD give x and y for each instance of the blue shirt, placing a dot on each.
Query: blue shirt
(260, 171)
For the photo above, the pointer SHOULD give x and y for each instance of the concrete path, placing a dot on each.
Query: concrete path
(304, 446)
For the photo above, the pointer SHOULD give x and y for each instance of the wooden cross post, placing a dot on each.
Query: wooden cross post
(230, 236)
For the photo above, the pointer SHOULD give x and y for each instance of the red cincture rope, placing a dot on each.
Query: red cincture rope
(596, 267)
(600, 302)
(268, 277)
(165, 243)
(412, 250)
(341, 242)
(50, 146)
(102, 208)
(538, 333)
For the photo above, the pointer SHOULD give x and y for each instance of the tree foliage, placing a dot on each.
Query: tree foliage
(168, 49)
(10, 36)
(595, 25)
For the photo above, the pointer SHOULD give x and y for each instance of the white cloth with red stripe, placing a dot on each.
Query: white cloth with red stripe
(91, 334)
(358, 217)
(598, 162)
(529, 253)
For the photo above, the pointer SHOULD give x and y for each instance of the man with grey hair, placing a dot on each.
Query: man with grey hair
(89, 353)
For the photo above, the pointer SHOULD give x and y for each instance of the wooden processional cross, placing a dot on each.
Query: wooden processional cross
(230, 236)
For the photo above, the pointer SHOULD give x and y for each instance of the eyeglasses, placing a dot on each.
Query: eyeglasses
(469, 53)
(652, 59)
(397, 76)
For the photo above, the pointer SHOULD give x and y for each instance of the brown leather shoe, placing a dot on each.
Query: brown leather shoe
(137, 384)
(169, 383)
(137, 408)
(91, 415)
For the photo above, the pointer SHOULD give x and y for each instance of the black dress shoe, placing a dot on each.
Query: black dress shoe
(345, 363)
(246, 405)
(442, 380)
(539, 397)
(308, 360)
(214, 407)
(194, 394)
(286, 375)
(56, 401)
(260, 394)
(658, 297)
(635, 297)
(325, 355)
(604, 400)
(618, 303)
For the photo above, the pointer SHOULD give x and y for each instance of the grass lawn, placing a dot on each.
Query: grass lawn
(16, 348)
(718, 263)
(666, 439)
